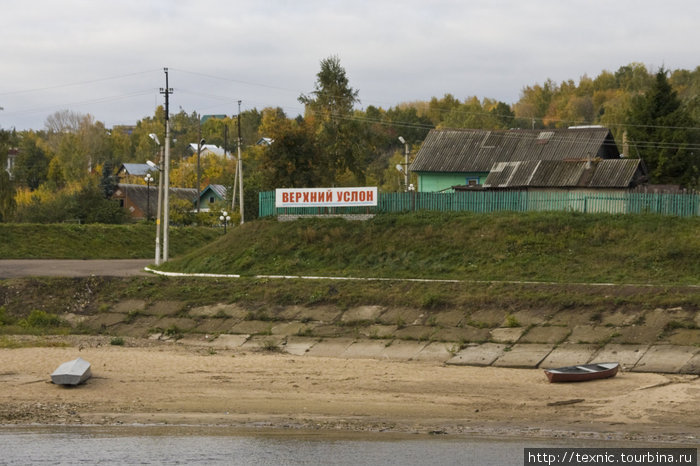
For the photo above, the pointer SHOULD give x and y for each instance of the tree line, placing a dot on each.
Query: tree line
(66, 170)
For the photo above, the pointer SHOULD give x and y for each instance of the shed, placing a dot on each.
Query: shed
(450, 157)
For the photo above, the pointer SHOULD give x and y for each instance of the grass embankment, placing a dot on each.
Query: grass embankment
(94, 241)
(558, 247)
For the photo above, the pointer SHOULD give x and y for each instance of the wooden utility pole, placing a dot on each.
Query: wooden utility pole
(166, 169)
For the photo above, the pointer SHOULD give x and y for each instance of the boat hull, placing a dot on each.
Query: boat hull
(72, 372)
(583, 372)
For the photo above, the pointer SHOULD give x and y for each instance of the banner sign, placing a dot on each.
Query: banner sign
(326, 197)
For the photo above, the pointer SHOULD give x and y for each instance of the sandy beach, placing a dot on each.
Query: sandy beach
(168, 383)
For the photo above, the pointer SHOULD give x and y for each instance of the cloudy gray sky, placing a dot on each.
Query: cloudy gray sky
(107, 58)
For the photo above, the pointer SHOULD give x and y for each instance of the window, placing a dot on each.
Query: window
(211, 199)
(472, 181)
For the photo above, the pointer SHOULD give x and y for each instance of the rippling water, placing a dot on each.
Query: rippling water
(177, 445)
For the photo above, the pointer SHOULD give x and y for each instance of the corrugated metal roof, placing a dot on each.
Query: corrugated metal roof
(611, 173)
(460, 151)
(614, 173)
(219, 189)
(138, 194)
(136, 169)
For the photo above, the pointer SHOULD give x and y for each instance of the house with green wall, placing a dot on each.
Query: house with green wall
(465, 157)
(211, 196)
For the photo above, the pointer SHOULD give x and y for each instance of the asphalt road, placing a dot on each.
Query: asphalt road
(15, 268)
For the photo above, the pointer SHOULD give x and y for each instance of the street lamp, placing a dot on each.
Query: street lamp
(405, 173)
(199, 151)
(160, 198)
(148, 179)
(225, 218)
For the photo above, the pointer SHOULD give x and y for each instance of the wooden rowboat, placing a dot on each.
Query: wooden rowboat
(601, 370)
(72, 372)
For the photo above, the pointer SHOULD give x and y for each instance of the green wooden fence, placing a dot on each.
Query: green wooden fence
(682, 205)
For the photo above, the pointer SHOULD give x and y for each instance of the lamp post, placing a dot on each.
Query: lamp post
(199, 152)
(160, 198)
(225, 218)
(148, 179)
(405, 173)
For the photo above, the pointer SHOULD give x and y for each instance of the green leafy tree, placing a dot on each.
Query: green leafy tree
(329, 109)
(659, 128)
(108, 180)
(32, 162)
(7, 188)
(292, 160)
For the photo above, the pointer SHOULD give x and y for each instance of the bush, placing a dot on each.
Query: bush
(41, 319)
(4, 318)
(117, 341)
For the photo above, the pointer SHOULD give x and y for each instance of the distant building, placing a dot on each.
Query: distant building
(207, 149)
(131, 173)
(466, 157)
(142, 202)
(209, 196)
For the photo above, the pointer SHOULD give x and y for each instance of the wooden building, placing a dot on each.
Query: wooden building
(458, 157)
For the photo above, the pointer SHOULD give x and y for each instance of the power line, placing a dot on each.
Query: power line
(80, 83)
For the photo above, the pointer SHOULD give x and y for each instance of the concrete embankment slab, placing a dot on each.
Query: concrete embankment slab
(331, 348)
(506, 334)
(362, 313)
(299, 346)
(692, 366)
(229, 341)
(478, 355)
(665, 358)
(365, 349)
(403, 350)
(436, 351)
(524, 356)
(569, 355)
(627, 355)
(261, 342)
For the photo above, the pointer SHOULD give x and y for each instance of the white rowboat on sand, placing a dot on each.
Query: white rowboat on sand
(72, 372)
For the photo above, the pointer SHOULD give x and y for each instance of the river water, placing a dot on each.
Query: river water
(197, 446)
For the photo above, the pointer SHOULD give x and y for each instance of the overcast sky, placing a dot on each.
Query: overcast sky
(107, 58)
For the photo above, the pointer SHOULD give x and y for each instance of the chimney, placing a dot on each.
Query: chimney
(625, 145)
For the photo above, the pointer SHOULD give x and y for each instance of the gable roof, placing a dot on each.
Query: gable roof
(475, 150)
(613, 173)
(218, 189)
(207, 148)
(139, 194)
(135, 169)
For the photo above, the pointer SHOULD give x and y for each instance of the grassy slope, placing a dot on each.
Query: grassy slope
(553, 246)
(65, 241)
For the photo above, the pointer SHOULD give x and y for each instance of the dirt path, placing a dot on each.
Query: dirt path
(16, 268)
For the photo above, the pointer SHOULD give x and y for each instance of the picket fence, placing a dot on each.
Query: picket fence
(682, 205)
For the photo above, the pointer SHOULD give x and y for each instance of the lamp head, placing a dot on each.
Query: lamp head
(403, 141)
